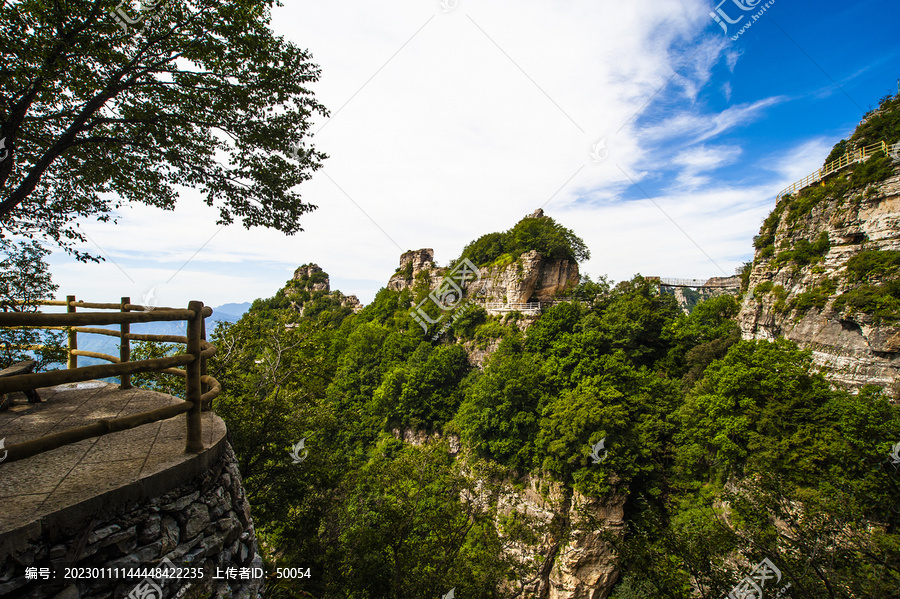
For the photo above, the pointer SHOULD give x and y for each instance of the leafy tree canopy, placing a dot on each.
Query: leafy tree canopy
(542, 234)
(97, 114)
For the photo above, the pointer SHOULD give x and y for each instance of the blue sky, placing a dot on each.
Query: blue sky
(451, 121)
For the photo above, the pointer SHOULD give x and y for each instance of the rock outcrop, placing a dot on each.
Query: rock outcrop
(412, 263)
(311, 278)
(530, 278)
(577, 565)
(853, 347)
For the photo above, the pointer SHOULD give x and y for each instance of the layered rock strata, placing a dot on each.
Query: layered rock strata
(851, 346)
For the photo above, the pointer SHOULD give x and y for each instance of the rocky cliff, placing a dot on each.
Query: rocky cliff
(823, 270)
(315, 282)
(566, 555)
(571, 558)
(530, 278)
(527, 277)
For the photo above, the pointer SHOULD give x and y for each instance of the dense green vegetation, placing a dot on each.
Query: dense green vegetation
(805, 252)
(882, 123)
(765, 241)
(816, 297)
(877, 290)
(873, 264)
(691, 417)
(24, 278)
(542, 234)
(882, 302)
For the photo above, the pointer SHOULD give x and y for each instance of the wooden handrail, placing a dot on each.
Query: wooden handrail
(12, 319)
(26, 449)
(20, 382)
(99, 356)
(200, 388)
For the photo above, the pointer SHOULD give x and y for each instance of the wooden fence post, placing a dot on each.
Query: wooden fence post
(125, 347)
(73, 335)
(192, 387)
(203, 372)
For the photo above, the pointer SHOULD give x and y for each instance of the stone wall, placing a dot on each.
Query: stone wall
(204, 523)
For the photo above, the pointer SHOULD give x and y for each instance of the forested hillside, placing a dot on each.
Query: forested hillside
(722, 452)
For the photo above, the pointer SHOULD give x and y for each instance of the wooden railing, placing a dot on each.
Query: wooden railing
(200, 388)
(858, 155)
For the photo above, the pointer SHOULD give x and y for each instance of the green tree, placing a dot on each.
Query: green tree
(499, 415)
(801, 468)
(415, 525)
(94, 117)
(424, 392)
(25, 278)
(169, 384)
(544, 235)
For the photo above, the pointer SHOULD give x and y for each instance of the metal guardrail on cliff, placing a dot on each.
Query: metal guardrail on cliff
(673, 282)
(858, 155)
(200, 388)
(525, 308)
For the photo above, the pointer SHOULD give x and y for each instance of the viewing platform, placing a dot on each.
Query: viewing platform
(106, 484)
(67, 487)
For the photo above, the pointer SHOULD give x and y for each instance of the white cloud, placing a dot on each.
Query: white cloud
(448, 126)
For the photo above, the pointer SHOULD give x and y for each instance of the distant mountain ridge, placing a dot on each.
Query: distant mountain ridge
(110, 345)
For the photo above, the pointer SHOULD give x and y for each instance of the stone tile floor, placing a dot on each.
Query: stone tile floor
(68, 475)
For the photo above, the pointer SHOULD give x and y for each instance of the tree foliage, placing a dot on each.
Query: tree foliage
(543, 234)
(25, 278)
(203, 95)
(726, 451)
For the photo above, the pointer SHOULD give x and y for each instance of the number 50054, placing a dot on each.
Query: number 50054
(292, 573)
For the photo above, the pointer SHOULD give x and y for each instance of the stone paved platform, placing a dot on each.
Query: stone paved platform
(63, 488)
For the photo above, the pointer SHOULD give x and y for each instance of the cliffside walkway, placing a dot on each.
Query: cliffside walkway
(527, 308)
(713, 283)
(858, 155)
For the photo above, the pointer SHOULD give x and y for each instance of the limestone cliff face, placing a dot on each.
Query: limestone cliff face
(580, 565)
(584, 565)
(531, 278)
(854, 349)
(413, 264)
(312, 278)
